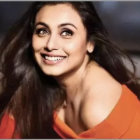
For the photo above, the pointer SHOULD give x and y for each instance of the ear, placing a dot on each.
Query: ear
(90, 47)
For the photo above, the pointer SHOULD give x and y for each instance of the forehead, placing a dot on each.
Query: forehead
(58, 13)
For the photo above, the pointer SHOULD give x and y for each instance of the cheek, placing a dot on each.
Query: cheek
(36, 43)
(76, 48)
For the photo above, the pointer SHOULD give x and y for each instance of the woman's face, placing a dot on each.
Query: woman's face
(59, 40)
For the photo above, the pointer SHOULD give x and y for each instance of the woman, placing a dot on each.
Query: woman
(63, 78)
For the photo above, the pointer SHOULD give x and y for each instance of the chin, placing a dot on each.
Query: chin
(54, 73)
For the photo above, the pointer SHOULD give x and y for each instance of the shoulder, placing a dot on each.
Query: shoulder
(103, 94)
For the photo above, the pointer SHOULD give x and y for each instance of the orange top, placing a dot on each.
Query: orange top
(123, 122)
(7, 127)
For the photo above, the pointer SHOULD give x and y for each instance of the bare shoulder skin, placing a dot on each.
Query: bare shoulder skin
(98, 95)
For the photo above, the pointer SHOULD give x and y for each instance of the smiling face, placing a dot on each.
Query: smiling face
(59, 40)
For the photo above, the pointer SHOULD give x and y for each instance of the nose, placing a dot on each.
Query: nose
(51, 43)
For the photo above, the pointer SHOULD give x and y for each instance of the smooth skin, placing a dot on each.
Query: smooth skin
(92, 92)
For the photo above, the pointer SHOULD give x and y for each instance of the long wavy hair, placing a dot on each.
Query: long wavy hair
(30, 95)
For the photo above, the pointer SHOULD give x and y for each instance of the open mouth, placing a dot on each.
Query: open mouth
(52, 59)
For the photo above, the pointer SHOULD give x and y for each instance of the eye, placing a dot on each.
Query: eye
(67, 33)
(41, 32)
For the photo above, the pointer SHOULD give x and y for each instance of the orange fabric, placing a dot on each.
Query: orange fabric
(123, 122)
(7, 127)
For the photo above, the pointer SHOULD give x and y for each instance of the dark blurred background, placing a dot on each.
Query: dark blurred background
(121, 18)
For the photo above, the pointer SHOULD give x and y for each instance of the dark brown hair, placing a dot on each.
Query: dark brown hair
(30, 95)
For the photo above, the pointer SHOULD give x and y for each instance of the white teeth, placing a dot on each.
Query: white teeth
(52, 58)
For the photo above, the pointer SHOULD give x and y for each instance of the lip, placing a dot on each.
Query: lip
(52, 62)
(48, 62)
(51, 54)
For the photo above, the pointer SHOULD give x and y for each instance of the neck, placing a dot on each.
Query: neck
(73, 82)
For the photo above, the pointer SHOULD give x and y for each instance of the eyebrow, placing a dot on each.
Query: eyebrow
(63, 24)
(41, 23)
